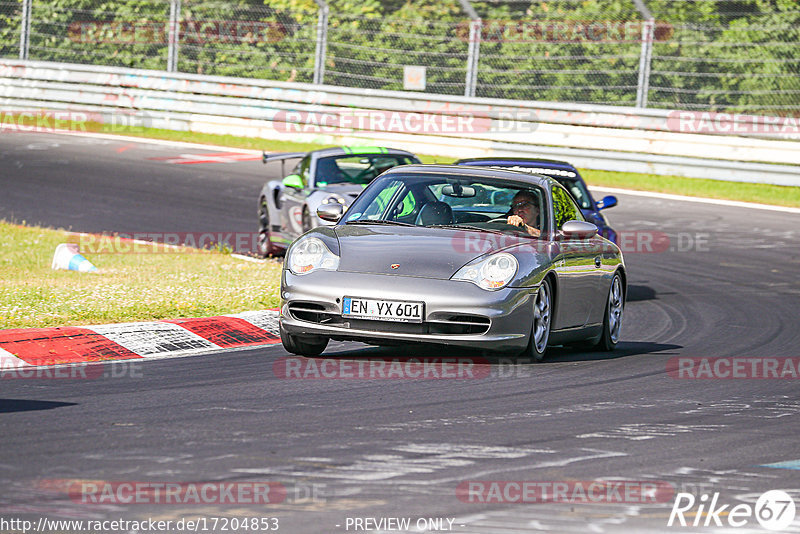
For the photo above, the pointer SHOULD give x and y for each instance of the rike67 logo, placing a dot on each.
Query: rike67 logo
(774, 510)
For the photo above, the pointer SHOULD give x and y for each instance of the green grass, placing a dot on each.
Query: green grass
(129, 287)
(677, 185)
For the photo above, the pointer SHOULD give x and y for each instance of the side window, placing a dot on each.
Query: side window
(564, 207)
(406, 207)
(378, 205)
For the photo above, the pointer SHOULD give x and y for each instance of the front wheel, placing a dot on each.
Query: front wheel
(612, 323)
(542, 315)
(311, 346)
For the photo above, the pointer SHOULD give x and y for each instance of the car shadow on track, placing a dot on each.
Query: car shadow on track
(557, 354)
(624, 349)
(638, 293)
(24, 405)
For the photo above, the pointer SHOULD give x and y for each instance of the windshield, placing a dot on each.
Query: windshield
(570, 179)
(451, 200)
(356, 169)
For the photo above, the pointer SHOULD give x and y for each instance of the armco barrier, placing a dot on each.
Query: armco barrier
(599, 137)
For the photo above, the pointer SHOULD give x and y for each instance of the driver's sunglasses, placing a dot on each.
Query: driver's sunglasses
(521, 204)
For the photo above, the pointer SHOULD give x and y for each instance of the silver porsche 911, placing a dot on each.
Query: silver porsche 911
(441, 254)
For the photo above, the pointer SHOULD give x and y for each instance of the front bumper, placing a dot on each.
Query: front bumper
(456, 313)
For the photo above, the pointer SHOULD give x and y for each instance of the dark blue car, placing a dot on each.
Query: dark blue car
(566, 175)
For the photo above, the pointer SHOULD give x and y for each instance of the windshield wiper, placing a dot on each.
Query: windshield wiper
(467, 227)
(379, 221)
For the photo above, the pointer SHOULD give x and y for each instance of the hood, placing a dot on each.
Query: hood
(418, 251)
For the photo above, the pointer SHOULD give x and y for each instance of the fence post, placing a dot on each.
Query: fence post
(646, 54)
(322, 43)
(474, 48)
(174, 35)
(472, 56)
(25, 29)
(645, 60)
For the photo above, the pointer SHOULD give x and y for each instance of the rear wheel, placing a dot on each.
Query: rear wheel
(542, 315)
(612, 323)
(303, 346)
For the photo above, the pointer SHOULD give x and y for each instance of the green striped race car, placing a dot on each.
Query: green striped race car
(287, 208)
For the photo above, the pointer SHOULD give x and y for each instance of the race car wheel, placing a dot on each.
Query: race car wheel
(542, 315)
(612, 323)
(265, 247)
(303, 346)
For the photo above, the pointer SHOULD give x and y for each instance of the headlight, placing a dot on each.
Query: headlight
(495, 272)
(311, 254)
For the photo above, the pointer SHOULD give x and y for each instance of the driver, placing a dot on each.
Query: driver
(525, 213)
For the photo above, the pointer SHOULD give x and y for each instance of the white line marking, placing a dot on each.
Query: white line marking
(719, 202)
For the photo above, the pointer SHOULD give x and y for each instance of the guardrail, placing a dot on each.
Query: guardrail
(599, 137)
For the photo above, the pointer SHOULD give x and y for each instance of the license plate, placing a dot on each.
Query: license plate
(382, 310)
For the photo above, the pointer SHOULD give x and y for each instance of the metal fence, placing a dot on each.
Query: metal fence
(717, 55)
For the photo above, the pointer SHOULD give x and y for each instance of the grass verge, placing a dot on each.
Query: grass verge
(129, 287)
(676, 185)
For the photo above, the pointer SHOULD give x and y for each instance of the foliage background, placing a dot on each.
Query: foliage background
(721, 55)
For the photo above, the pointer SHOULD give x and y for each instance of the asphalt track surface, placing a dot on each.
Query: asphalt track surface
(396, 448)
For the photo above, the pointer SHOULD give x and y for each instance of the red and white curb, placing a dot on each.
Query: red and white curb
(26, 347)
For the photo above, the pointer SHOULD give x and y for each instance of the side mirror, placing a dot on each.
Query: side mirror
(579, 230)
(294, 181)
(330, 212)
(608, 202)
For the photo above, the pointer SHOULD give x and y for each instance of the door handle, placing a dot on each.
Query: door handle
(598, 262)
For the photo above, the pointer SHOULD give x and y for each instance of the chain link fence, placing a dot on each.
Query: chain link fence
(727, 55)
(717, 55)
(120, 34)
(247, 40)
(373, 52)
(10, 27)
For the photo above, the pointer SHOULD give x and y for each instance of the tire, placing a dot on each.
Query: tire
(265, 246)
(311, 346)
(542, 320)
(612, 322)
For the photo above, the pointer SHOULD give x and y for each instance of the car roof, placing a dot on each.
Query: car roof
(478, 171)
(358, 151)
(522, 162)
